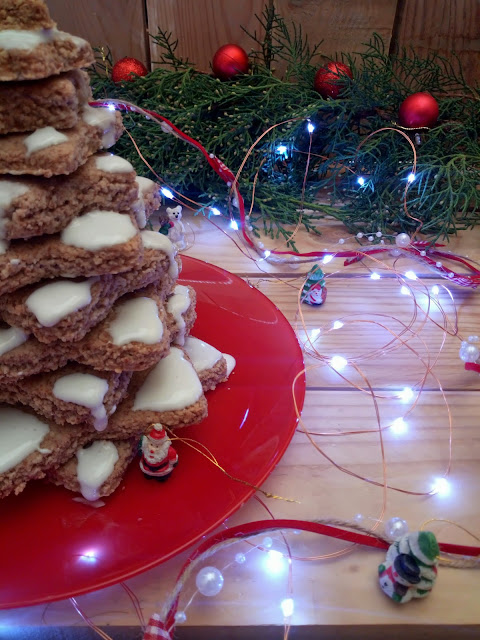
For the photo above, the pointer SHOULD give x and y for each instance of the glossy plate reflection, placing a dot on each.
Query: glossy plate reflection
(54, 547)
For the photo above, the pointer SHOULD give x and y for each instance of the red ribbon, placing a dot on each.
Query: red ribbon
(263, 526)
(354, 256)
(472, 366)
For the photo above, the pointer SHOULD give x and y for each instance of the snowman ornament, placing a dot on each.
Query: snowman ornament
(410, 568)
(159, 458)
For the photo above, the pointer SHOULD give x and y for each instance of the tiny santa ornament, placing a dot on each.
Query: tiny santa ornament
(159, 458)
(314, 290)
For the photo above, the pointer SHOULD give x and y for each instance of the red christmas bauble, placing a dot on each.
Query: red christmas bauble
(229, 61)
(122, 69)
(328, 79)
(418, 110)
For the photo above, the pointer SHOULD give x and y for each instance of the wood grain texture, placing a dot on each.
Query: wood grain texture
(120, 25)
(443, 26)
(341, 26)
(202, 26)
(341, 591)
(202, 235)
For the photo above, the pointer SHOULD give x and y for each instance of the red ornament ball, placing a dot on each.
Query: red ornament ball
(122, 69)
(418, 110)
(328, 79)
(229, 61)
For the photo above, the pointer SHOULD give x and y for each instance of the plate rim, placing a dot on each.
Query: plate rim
(300, 390)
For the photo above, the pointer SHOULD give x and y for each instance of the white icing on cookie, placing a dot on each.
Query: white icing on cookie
(231, 363)
(43, 138)
(202, 354)
(11, 338)
(20, 435)
(136, 320)
(24, 39)
(99, 229)
(177, 304)
(144, 186)
(63, 35)
(86, 390)
(56, 300)
(171, 385)
(94, 465)
(113, 164)
(9, 191)
(27, 40)
(155, 240)
(104, 119)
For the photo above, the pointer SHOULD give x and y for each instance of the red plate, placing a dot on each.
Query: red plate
(54, 548)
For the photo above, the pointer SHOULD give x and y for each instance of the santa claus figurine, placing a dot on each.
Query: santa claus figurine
(158, 456)
(314, 291)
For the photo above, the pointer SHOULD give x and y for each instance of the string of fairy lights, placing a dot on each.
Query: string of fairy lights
(274, 553)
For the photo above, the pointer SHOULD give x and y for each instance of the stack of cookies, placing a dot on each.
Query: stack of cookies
(94, 330)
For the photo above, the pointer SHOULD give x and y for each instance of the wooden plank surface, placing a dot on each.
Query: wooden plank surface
(372, 313)
(120, 25)
(342, 591)
(216, 244)
(447, 26)
(202, 26)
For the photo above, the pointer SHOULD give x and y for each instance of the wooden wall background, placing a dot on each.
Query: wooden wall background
(202, 26)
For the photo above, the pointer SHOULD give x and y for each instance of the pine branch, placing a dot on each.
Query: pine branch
(229, 117)
(168, 46)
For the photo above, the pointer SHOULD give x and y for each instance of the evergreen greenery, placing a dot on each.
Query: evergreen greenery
(227, 117)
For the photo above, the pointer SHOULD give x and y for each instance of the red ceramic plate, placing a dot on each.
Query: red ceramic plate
(54, 548)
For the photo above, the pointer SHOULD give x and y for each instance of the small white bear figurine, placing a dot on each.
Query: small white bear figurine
(176, 233)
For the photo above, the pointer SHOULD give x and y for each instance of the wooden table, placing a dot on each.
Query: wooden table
(337, 597)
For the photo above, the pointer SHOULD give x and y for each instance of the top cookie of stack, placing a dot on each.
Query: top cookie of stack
(88, 303)
(47, 125)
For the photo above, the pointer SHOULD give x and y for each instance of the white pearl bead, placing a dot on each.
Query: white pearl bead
(180, 617)
(469, 352)
(370, 238)
(209, 581)
(402, 240)
(240, 558)
(359, 518)
(395, 528)
(395, 253)
(267, 542)
(438, 264)
(359, 234)
(379, 234)
(423, 253)
(341, 241)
